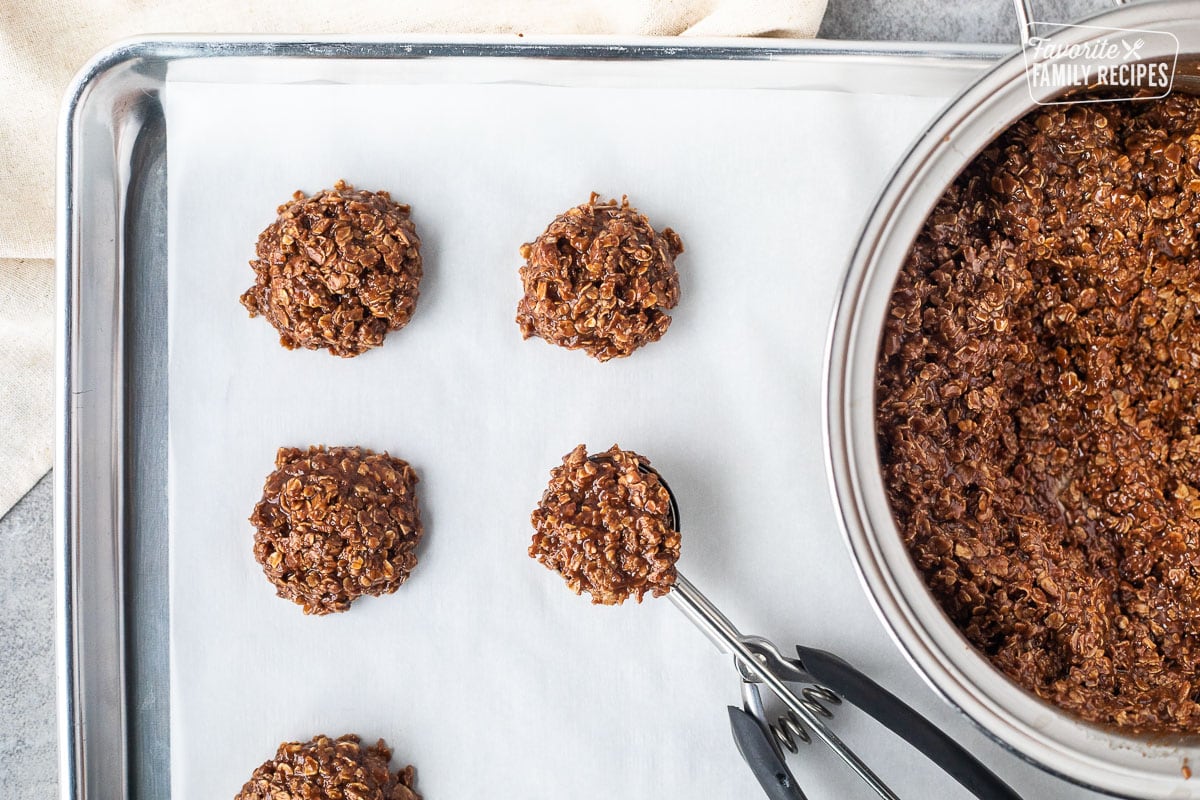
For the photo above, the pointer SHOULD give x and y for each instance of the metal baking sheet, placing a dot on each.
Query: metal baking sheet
(112, 461)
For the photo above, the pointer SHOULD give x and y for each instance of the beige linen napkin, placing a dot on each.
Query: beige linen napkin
(44, 42)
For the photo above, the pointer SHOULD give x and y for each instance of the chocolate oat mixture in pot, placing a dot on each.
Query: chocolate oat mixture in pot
(1037, 413)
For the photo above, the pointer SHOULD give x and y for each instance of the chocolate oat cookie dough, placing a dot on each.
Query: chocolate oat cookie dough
(330, 769)
(599, 279)
(603, 524)
(1038, 408)
(335, 524)
(337, 270)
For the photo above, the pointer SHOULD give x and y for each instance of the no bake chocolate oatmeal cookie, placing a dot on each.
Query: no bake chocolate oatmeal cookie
(335, 524)
(337, 270)
(330, 769)
(599, 279)
(604, 524)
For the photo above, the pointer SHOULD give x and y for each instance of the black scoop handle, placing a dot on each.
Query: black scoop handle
(764, 760)
(894, 714)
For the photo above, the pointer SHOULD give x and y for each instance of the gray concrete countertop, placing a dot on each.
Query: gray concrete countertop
(28, 763)
(28, 749)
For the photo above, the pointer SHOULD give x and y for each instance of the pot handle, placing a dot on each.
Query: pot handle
(1025, 18)
(895, 715)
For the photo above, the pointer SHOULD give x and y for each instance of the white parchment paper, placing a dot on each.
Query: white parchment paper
(484, 670)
